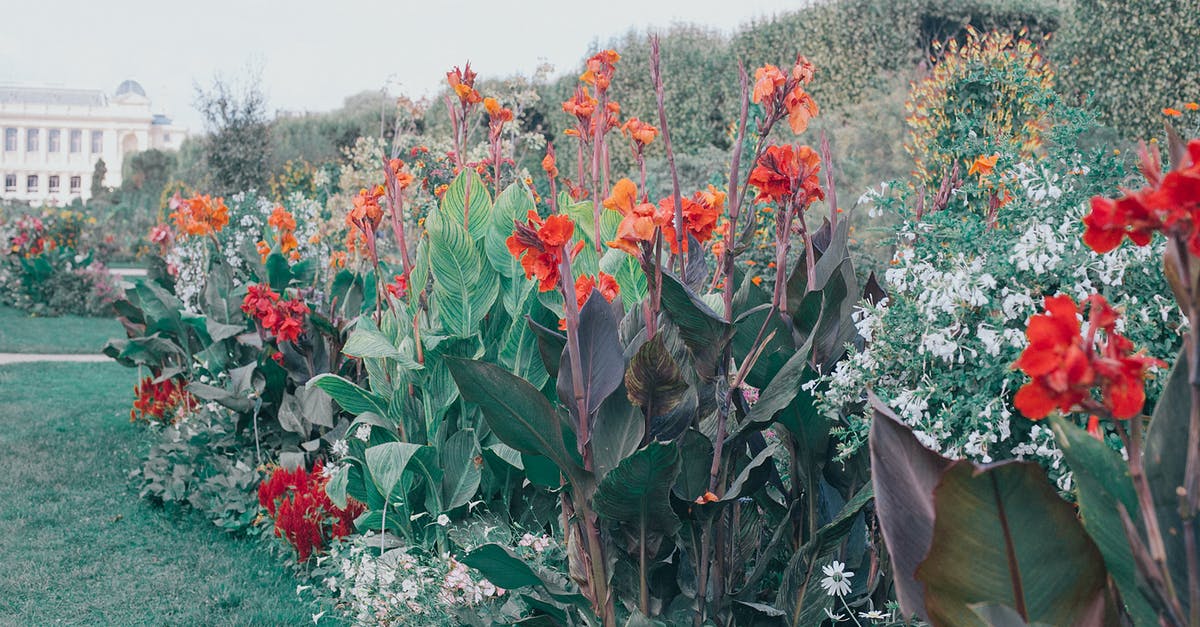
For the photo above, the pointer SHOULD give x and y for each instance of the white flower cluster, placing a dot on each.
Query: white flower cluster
(188, 262)
(459, 588)
(538, 543)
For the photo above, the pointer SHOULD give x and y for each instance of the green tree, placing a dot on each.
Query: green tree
(144, 176)
(98, 174)
(237, 148)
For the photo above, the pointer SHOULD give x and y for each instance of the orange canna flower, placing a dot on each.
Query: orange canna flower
(497, 113)
(788, 176)
(404, 178)
(540, 246)
(803, 71)
(463, 83)
(1172, 112)
(801, 108)
(639, 219)
(581, 105)
(640, 132)
(585, 285)
(282, 220)
(200, 215)
(983, 165)
(549, 164)
(600, 69)
(767, 79)
(757, 280)
(1191, 106)
(700, 215)
(264, 250)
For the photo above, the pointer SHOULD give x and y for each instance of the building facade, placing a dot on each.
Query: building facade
(51, 139)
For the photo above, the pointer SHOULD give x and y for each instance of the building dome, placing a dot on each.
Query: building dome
(130, 87)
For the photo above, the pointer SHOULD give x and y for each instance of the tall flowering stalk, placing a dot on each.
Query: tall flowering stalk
(462, 83)
(600, 69)
(498, 116)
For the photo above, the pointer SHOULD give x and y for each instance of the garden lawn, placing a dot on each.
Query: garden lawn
(22, 333)
(77, 544)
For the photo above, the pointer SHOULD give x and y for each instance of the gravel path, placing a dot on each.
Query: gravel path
(22, 358)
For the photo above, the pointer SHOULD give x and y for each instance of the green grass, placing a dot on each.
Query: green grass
(77, 544)
(21, 333)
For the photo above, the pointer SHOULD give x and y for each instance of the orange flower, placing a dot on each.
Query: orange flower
(640, 132)
(983, 165)
(540, 245)
(801, 108)
(700, 215)
(497, 113)
(585, 285)
(282, 220)
(600, 69)
(549, 164)
(788, 176)
(757, 280)
(581, 105)
(200, 215)
(803, 71)
(767, 79)
(264, 250)
(463, 83)
(1172, 112)
(639, 219)
(404, 178)
(1191, 106)
(337, 259)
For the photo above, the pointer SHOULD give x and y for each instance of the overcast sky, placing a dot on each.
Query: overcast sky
(312, 54)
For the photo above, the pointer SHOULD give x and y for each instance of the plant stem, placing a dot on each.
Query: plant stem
(656, 77)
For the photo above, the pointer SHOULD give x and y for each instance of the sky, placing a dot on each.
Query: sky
(311, 54)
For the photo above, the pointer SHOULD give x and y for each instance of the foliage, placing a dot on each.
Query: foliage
(237, 148)
(1127, 59)
(991, 92)
(42, 272)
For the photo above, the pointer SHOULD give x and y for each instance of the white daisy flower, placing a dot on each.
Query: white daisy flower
(837, 579)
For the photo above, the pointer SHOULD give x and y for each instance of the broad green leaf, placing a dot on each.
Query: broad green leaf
(461, 471)
(465, 288)
(628, 273)
(696, 453)
(336, 488)
(515, 411)
(781, 391)
(616, 434)
(653, 380)
(1102, 481)
(367, 341)
(638, 490)
(468, 204)
(704, 332)
(279, 273)
(502, 567)
(349, 396)
(387, 462)
(514, 203)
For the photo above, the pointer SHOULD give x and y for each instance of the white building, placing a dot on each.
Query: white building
(51, 138)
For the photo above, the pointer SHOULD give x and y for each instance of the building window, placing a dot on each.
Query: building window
(53, 180)
(31, 140)
(31, 183)
(76, 141)
(10, 182)
(166, 138)
(10, 139)
(54, 140)
(76, 184)
(97, 141)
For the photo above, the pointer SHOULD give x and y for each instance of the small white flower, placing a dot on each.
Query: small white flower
(317, 617)
(443, 520)
(873, 615)
(363, 432)
(837, 618)
(837, 579)
(340, 448)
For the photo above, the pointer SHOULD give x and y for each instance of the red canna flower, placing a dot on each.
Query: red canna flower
(282, 318)
(788, 176)
(540, 245)
(1170, 203)
(1064, 366)
(700, 215)
(163, 402)
(585, 285)
(398, 288)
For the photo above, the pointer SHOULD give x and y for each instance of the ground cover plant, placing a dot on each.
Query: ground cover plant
(486, 374)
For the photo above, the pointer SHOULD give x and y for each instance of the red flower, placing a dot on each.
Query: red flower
(398, 288)
(303, 513)
(164, 401)
(540, 245)
(463, 83)
(788, 176)
(282, 318)
(1064, 366)
(700, 215)
(1170, 203)
(585, 285)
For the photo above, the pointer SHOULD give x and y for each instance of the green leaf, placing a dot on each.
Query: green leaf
(336, 488)
(461, 472)
(653, 380)
(366, 341)
(801, 598)
(349, 396)
(1002, 535)
(702, 330)
(514, 203)
(464, 287)
(279, 273)
(1102, 481)
(783, 388)
(515, 411)
(600, 356)
(387, 463)
(501, 566)
(468, 204)
(638, 490)
(616, 434)
(696, 453)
